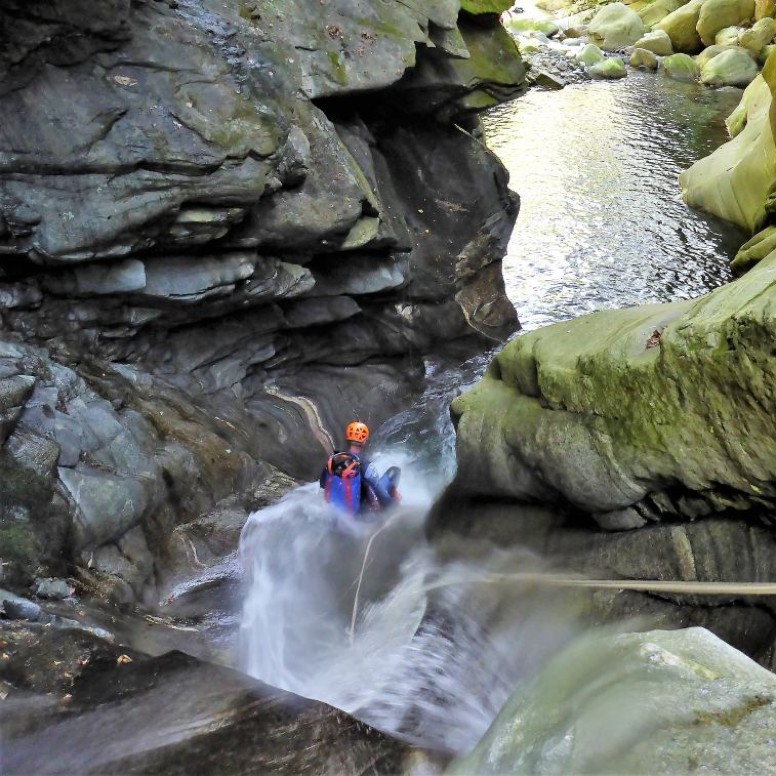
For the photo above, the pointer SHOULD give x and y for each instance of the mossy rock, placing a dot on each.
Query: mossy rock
(476, 7)
(643, 59)
(682, 67)
(681, 27)
(653, 13)
(609, 68)
(715, 15)
(32, 528)
(736, 182)
(730, 68)
(614, 408)
(755, 250)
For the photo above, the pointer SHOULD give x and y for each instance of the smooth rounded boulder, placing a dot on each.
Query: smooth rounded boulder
(681, 67)
(758, 36)
(730, 68)
(657, 11)
(643, 59)
(681, 28)
(657, 41)
(727, 36)
(715, 15)
(660, 702)
(736, 182)
(609, 68)
(615, 27)
(709, 53)
(590, 55)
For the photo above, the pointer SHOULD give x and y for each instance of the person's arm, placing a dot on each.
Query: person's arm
(373, 481)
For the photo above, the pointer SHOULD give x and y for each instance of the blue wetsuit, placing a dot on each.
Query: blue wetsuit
(372, 486)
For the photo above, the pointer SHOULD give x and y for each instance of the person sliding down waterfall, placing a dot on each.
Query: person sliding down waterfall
(350, 482)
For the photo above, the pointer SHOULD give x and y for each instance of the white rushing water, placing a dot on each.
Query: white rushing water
(371, 621)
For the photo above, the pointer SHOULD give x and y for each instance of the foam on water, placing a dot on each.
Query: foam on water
(368, 619)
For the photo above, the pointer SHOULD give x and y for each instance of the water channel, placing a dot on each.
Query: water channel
(373, 622)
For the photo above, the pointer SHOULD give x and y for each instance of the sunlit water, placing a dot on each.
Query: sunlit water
(367, 618)
(601, 222)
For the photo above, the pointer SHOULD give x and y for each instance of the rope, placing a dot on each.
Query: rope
(639, 585)
(361, 574)
(568, 580)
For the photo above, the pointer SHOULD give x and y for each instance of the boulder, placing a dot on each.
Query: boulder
(659, 702)
(715, 15)
(712, 51)
(642, 58)
(615, 27)
(176, 714)
(664, 408)
(682, 67)
(755, 249)
(764, 9)
(681, 27)
(657, 41)
(727, 36)
(590, 55)
(611, 67)
(734, 67)
(736, 181)
(758, 36)
(518, 25)
(653, 13)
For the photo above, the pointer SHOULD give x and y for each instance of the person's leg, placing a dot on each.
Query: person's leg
(390, 481)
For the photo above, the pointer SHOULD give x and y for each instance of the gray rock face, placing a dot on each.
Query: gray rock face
(661, 702)
(209, 271)
(719, 549)
(175, 714)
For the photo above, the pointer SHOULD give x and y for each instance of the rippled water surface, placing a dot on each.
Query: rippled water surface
(601, 222)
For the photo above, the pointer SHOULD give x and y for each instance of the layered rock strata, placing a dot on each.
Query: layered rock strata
(226, 228)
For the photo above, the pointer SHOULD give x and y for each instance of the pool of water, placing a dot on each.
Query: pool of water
(602, 223)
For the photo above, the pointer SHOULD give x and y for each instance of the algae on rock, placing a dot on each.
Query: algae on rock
(738, 181)
(667, 409)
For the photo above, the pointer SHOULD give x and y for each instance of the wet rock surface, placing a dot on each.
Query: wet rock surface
(681, 701)
(174, 714)
(724, 549)
(225, 229)
(663, 411)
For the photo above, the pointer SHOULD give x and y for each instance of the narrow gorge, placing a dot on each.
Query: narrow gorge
(228, 228)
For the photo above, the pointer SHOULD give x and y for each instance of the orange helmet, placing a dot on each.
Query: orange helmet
(357, 432)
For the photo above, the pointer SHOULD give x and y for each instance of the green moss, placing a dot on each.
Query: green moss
(622, 403)
(18, 544)
(27, 522)
(338, 69)
(485, 6)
